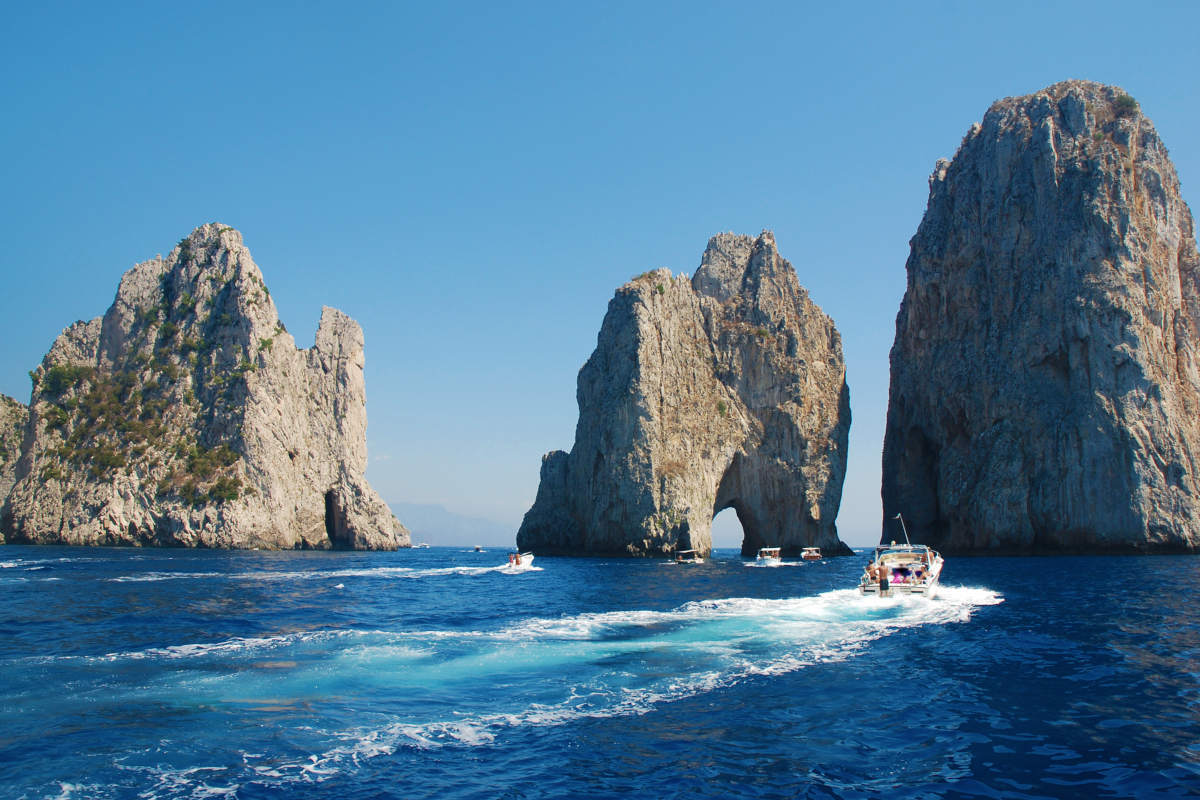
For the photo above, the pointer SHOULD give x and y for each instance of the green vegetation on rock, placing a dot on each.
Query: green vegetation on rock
(1126, 106)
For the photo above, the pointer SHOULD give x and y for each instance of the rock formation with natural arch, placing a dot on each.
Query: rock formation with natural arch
(724, 391)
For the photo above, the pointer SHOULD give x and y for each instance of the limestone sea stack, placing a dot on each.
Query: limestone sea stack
(726, 390)
(13, 417)
(186, 416)
(1044, 387)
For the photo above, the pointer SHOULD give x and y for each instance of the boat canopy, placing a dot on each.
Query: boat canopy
(904, 551)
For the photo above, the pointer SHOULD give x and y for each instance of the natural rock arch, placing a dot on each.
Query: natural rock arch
(726, 390)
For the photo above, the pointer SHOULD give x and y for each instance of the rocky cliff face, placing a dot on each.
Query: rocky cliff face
(186, 416)
(727, 390)
(13, 417)
(1045, 394)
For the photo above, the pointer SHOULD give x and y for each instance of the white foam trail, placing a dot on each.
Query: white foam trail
(225, 648)
(30, 562)
(777, 620)
(317, 575)
(186, 782)
(715, 644)
(801, 632)
(152, 577)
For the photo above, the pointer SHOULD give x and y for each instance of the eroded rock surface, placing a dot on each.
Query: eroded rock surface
(186, 416)
(13, 417)
(1044, 392)
(726, 390)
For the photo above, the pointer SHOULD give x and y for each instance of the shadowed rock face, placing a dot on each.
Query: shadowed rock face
(1044, 392)
(724, 391)
(186, 416)
(13, 417)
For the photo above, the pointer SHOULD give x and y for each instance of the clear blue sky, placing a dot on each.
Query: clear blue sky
(472, 181)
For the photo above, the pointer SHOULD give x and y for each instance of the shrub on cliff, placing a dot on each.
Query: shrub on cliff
(1126, 106)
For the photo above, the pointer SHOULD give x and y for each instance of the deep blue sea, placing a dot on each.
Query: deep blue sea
(439, 673)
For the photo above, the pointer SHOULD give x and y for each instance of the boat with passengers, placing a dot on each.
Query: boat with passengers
(912, 569)
(768, 556)
(520, 560)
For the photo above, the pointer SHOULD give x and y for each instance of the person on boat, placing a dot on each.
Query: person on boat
(518, 560)
(883, 581)
(511, 557)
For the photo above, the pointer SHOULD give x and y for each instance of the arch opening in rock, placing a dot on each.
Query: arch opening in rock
(752, 538)
(335, 521)
(727, 530)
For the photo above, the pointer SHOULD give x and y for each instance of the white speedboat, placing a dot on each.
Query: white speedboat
(810, 554)
(902, 569)
(689, 557)
(520, 560)
(768, 556)
(898, 569)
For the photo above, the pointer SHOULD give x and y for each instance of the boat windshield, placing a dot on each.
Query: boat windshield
(902, 552)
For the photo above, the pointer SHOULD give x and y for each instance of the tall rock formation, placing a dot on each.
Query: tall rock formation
(728, 390)
(186, 416)
(1045, 394)
(13, 417)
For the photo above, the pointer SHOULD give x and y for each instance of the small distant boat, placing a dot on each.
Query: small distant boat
(902, 569)
(421, 546)
(520, 560)
(689, 557)
(811, 554)
(478, 548)
(769, 555)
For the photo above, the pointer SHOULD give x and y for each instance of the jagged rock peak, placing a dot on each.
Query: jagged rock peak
(725, 391)
(1044, 393)
(186, 415)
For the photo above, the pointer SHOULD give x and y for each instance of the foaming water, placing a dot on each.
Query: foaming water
(323, 575)
(713, 645)
(440, 673)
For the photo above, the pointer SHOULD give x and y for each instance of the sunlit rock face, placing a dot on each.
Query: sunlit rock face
(1044, 389)
(726, 390)
(187, 416)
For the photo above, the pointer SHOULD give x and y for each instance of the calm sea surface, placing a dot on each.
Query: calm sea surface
(439, 674)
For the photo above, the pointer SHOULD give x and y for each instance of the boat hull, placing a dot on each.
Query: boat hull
(928, 589)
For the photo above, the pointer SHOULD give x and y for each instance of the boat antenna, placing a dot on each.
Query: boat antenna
(906, 541)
